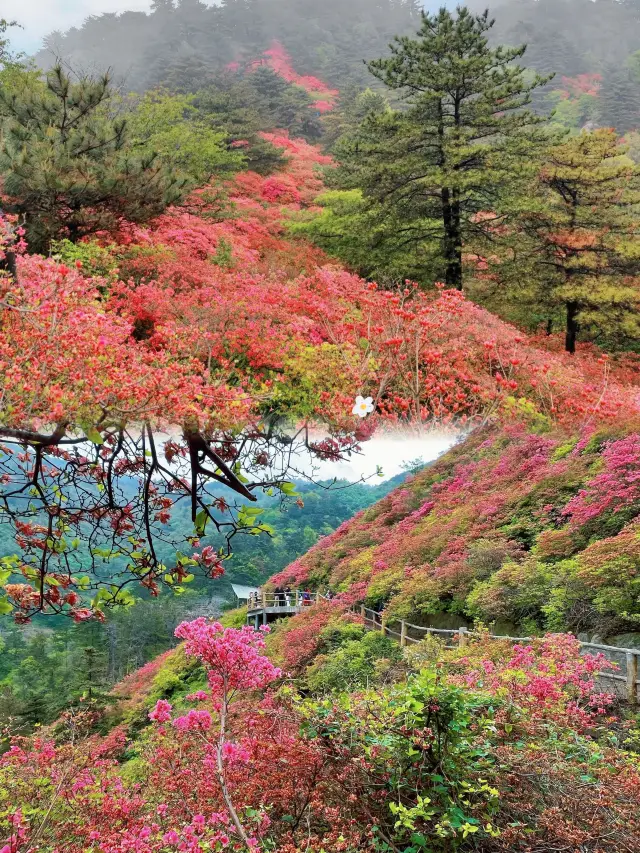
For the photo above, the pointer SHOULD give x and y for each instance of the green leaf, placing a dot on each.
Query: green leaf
(5, 607)
(94, 436)
(252, 510)
(288, 489)
(201, 522)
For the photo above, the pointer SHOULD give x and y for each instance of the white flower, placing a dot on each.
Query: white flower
(363, 406)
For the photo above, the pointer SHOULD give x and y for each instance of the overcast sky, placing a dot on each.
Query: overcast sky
(389, 452)
(40, 17)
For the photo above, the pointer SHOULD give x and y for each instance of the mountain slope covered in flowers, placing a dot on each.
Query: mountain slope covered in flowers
(211, 319)
(540, 530)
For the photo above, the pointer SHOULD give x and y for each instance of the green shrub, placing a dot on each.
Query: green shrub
(429, 746)
(354, 664)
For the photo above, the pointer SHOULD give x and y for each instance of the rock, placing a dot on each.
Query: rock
(625, 641)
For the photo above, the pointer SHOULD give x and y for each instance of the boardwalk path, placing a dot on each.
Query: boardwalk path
(623, 682)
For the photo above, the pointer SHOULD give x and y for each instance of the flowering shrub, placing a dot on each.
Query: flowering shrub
(547, 680)
(419, 741)
(615, 488)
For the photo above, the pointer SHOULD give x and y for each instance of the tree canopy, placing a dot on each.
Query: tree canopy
(447, 166)
(69, 165)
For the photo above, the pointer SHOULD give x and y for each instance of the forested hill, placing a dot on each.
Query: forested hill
(568, 37)
(539, 530)
(591, 42)
(185, 42)
(590, 46)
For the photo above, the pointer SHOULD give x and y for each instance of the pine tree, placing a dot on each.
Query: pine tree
(353, 107)
(584, 228)
(284, 105)
(458, 146)
(231, 103)
(67, 165)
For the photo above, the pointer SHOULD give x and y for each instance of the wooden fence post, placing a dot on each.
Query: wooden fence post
(383, 624)
(363, 612)
(403, 634)
(462, 634)
(264, 599)
(632, 678)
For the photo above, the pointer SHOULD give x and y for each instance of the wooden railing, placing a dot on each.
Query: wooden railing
(295, 598)
(407, 633)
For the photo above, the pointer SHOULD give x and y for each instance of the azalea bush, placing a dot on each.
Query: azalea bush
(548, 680)
(355, 663)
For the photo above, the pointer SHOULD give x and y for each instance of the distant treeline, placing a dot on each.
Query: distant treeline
(573, 38)
(183, 42)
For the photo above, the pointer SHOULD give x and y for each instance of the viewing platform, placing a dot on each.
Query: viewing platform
(264, 607)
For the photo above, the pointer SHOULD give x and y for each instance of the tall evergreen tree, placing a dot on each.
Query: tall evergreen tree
(457, 147)
(583, 222)
(353, 107)
(285, 105)
(67, 165)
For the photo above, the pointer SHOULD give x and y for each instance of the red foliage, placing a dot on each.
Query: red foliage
(547, 680)
(615, 488)
(296, 791)
(279, 60)
(219, 317)
(481, 531)
(582, 84)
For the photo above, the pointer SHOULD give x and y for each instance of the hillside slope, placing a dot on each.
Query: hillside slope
(537, 529)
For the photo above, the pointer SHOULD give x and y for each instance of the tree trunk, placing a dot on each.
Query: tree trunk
(572, 327)
(450, 212)
(111, 641)
(452, 240)
(221, 774)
